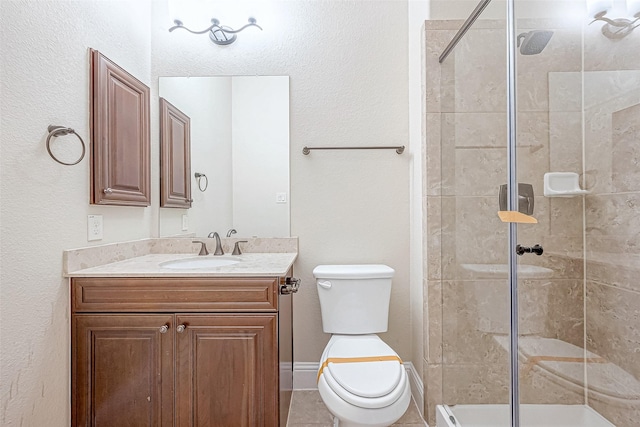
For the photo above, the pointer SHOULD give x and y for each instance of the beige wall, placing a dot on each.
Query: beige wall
(460, 9)
(44, 205)
(348, 87)
(418, 11)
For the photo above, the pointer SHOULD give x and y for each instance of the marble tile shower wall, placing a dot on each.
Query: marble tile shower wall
(612, 213)
(465, 165)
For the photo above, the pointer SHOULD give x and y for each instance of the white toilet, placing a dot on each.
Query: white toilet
(361, 380)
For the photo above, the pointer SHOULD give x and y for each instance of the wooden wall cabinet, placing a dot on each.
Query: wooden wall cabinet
(194, 352)
(120, 141)
(175, 157)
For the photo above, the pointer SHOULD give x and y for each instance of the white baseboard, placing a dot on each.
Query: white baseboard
(417, 386)
(305, 375)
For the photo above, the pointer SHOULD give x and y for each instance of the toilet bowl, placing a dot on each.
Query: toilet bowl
(361, 380)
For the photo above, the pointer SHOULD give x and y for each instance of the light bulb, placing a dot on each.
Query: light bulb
(598, 7)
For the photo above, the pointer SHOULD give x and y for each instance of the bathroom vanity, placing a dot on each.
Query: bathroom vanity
(196, 347)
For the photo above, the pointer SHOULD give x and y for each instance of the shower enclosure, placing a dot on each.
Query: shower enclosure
(532, 316)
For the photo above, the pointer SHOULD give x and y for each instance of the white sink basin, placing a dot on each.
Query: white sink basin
(200, 262)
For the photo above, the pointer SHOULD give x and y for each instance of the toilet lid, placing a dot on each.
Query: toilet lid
(372, 368)
(360, 271)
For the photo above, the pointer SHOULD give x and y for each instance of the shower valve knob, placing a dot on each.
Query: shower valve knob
(535, 249)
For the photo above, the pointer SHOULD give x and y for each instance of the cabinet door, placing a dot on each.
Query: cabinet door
(175, 157)
(226, 371)
(122, 370)
(120, 167)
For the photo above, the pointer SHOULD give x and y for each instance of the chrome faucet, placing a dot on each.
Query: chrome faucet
(236, 248)
(231, 231)
(203, 248)
(215, 235)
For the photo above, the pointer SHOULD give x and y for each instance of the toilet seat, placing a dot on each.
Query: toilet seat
(363, 371)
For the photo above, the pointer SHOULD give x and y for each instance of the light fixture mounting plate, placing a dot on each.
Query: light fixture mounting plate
(220, 37)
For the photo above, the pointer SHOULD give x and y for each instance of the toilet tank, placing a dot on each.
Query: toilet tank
(354, 299)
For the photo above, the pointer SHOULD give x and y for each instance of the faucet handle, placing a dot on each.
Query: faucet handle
(203, 248)
(236, 247)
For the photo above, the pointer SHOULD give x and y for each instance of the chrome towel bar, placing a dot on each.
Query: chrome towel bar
(399, 149)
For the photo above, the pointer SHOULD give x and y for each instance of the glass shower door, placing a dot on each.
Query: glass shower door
(472, 305)
(535, 108)
(550, 279)
(578, 93)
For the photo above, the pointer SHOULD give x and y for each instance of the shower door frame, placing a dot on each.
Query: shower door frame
(512, 205)
(512, 194)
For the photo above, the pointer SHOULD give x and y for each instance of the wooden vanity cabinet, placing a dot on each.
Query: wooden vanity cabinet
(194, 352)
(226, 371)
(119, 363)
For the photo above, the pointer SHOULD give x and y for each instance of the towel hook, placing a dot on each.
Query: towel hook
(56, 131)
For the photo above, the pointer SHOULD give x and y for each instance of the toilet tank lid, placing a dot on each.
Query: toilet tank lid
(360, 271)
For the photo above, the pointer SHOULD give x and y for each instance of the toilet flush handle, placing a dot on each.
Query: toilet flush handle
(324, 284)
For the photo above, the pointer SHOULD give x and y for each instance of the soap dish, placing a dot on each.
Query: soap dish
(562, 184)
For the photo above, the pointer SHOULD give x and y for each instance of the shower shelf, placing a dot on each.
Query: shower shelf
(562, 184)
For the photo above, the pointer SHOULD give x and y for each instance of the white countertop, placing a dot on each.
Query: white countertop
(251, 264)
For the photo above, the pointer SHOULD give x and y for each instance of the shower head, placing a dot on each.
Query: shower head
(533, 42)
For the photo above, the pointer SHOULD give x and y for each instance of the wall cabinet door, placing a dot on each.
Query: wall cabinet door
(122, 370)
(226, 370)
(175, 157)
(120, 141)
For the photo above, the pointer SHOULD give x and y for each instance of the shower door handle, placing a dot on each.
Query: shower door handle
(535, 249)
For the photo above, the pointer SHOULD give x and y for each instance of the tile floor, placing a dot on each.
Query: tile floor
(307, 410)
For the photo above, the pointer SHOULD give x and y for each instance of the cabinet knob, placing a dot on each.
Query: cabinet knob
(107, 191)
(181, 328)
(164, 329)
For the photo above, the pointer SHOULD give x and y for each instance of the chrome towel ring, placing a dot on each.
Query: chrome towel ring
(199, 177)
(56, 131)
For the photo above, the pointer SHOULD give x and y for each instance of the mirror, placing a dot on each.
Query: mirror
(240, 143)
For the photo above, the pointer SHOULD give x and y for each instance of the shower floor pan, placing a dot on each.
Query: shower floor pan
(530, 416)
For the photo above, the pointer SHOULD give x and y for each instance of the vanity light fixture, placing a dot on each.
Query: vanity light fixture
(219, 34)
(616, 28)
(599, 8)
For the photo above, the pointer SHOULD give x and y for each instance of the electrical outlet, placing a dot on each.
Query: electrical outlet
(185, 222)
(94, 227)
(281, 197)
